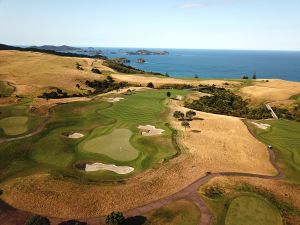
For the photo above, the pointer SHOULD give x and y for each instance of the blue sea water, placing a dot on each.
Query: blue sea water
(216, 63)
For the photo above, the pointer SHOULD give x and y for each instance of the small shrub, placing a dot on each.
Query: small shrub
(73, 222)
(95, 70)
(214, 192)
(169, 94)
(115, 218)
(37, 220)
(150, 85)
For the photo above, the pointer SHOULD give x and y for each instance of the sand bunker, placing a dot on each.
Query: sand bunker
(263, 126)
(75, 135)
(149, 130)
(114, 99)
(101, 166)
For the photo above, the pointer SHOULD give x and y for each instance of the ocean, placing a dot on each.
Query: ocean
(215, 63)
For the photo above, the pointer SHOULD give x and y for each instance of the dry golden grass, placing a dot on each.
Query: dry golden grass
(224, 144)
(158, 81)
(275, 92)
(33, 72)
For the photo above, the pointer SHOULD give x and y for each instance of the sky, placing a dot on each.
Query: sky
(195, 24)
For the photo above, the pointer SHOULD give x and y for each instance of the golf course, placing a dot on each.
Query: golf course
(137, 143)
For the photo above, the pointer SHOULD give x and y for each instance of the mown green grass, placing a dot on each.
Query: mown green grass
(14, 125)
(249, 210)
(5, 90)
(52, 151)
(284, 136)
(16, 119)
(296, 97)
(115, 145)
(181, 212)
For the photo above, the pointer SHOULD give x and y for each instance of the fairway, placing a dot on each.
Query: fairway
(180, 212)
(283, 135)
(14, 125)
(250, 210)
(115, 145)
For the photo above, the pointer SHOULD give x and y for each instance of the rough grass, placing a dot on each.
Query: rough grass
(5, 90)
(181, 212)
(296, 98)
(249, 210)
(115, 145)
(284, 136)
(14, 125)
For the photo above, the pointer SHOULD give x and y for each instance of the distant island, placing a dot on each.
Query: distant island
(63, 48)
(121, 60)
(147, 52)
(140, 60)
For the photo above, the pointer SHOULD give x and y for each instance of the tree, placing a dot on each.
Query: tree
(78, 86)
(178, 115)
(37, 220)
(150, 85)
(185, 124)
(115, 218)
(245, 77)
(189, 114)
(96, 70)
(110, 79)
(73, 222)
(196, 76)
(254, 75)
(169, 94)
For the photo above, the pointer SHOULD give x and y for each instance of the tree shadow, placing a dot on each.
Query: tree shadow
(136, 220)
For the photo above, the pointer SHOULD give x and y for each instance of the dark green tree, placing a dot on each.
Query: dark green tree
(190, 114)
(150, 85)
(115, 218)
(178, 115)
(169, 94)
(37, 220)
(254, 75)
(185, 124)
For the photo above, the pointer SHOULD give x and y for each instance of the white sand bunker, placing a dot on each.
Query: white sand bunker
(263, 126)
(179, 97)
(100, 166)
(114, 99)
(149, 130)
(75, 135)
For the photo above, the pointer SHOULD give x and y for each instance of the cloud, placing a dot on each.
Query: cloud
(192, 5)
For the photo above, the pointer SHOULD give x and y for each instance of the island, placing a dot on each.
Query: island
(140, 60)
(148, 52)
(121, 60)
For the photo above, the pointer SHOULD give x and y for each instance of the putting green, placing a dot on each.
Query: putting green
(249, 210)
(115, 145)
(14, 125)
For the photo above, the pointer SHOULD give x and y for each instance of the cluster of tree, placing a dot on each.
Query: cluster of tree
(245, 77)
(176, 86)
(225, 102)
(184, 118)
(150, 85)
(41, 220)
(96, 70)
(294, 114)
(119, 67)
(78, 66)
(68, 54)
(103, 86)
(58, 94)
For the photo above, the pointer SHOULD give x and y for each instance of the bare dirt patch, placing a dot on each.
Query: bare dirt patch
(116, 99)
